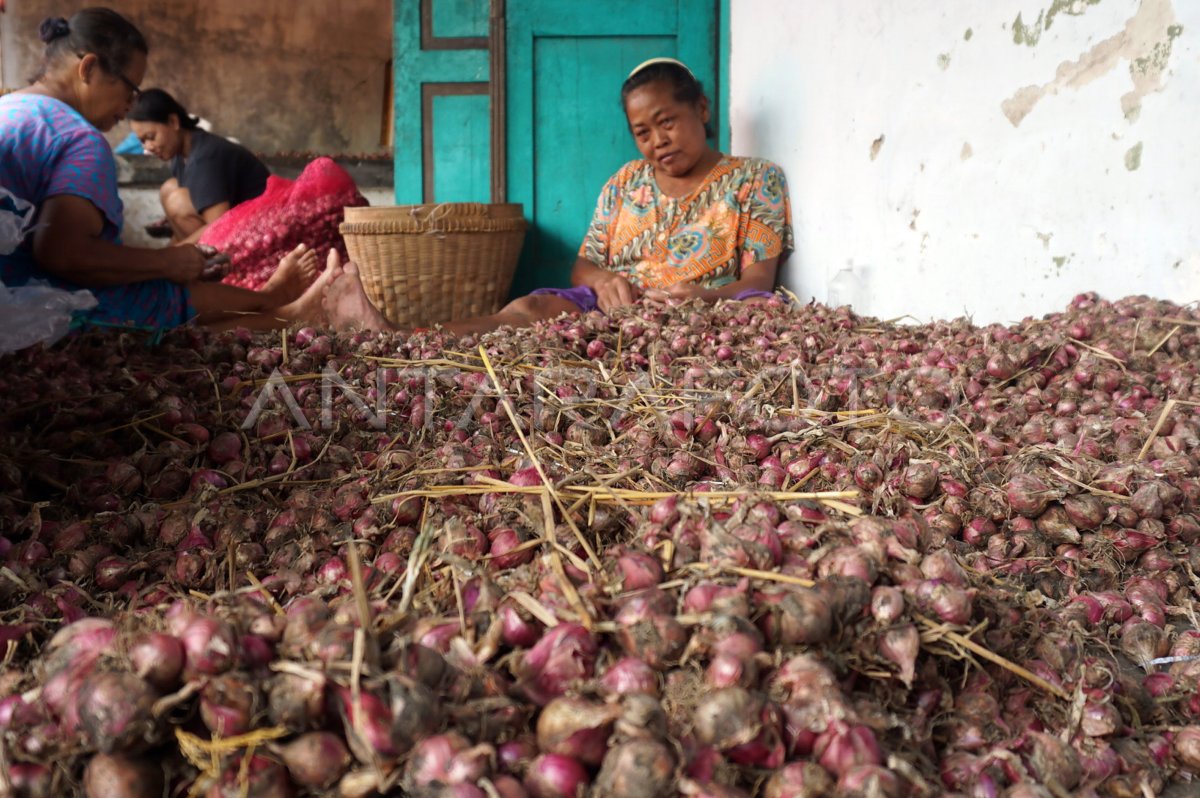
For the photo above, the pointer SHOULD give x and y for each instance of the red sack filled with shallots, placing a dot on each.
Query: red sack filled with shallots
(307, 210)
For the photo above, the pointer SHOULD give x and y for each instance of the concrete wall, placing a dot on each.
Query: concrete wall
(981, 157)
(279, 75)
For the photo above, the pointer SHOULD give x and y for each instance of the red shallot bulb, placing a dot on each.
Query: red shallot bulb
(115, 710)
(517, 630)
(447, 759)
(1187, 748)
(645, 631)
(577, 728)
(1029, 495)
(900, 645)
(638, 570)
(120, 775)
(842, 746)
(228, 704)
(32, 780)
(887, 604)
(315, 759)
(209, 644)
(637, 767)
(367, 723)
(628, 676)
(799, 780)
(158, 658)
(556, 776)
(873, 780)
(507, 549)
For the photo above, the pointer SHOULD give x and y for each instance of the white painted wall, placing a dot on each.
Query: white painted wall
(1009, 176)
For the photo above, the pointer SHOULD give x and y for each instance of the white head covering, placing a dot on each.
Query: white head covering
(661, 60)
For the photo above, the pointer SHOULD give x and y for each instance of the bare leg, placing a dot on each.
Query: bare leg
(181, 213)
(521, 312)
(307, 309)
(166, 190)
(347, 306)
(217, 302)
(296, 272)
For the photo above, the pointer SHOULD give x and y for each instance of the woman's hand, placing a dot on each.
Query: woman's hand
(187, 264)
(614, 291)
(679, 291)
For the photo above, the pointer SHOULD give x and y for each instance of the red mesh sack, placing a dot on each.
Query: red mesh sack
(308, 210)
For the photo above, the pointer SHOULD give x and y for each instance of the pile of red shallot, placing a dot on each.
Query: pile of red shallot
(775, 549)
(309, 210)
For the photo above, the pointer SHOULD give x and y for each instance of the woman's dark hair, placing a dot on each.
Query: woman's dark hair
(684, 85)
(156, 105)
(686, 88)
(101, 31)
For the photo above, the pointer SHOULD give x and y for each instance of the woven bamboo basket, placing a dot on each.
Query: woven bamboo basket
(424, 264)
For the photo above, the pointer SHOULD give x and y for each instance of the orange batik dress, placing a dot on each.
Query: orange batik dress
(739, 215)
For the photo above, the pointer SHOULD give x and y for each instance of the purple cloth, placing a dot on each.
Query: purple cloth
(47, 149)
(581, 296)
(584, 297)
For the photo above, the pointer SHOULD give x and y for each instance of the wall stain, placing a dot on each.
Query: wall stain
(1030, 35)
(967, 36)
(943, 61)
(1060, 261)
(1133, 158)
(876, 145)
(1146, 42)
(967, 152)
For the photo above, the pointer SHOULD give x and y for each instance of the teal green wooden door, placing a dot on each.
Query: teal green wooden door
(567, 134)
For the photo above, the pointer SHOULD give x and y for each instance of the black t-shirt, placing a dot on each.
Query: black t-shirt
(217, 170)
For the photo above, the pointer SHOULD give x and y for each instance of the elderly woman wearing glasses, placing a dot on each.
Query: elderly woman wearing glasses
(209, 174)
(52, 155)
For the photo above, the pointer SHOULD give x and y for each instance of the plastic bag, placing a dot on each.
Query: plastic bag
(35, 312)
(16, 215)
(38, 313)
(309, 209)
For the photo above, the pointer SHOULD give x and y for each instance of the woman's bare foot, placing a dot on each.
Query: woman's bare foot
(347, 306)
(309, 308)
(295, 274)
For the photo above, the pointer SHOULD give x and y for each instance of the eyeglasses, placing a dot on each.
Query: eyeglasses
(134, 91)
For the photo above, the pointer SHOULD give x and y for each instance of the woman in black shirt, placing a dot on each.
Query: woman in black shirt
(210, 174)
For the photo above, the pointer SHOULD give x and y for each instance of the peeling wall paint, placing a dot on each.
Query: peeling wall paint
(1031, 34)
(1133, 158)
(1145, 44)
(1013, 176)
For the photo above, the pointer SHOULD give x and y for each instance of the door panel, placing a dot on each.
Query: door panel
(567, 132)
(459, 156)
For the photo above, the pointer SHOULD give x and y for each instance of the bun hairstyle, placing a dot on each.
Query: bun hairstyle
(684, 85)
(156, 105)
(54, 28)
(102, 32)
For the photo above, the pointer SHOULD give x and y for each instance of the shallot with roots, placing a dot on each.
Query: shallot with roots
(680, 548)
